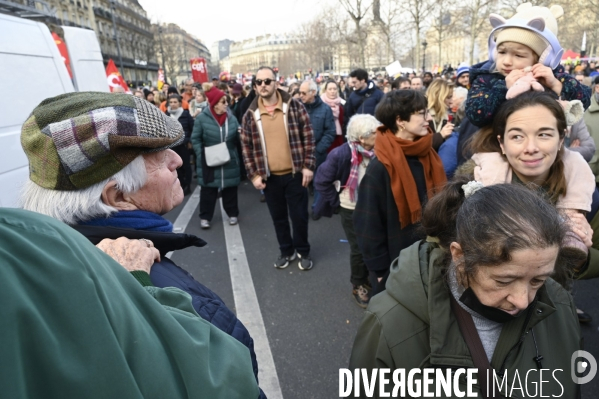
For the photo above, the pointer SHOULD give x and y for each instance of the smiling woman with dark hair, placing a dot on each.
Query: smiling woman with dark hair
(396, 183)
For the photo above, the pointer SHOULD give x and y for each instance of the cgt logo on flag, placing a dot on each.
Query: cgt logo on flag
(114, 78)
(199, 70)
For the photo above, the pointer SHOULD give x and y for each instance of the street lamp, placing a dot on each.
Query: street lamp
(424, 44)
(116, 35)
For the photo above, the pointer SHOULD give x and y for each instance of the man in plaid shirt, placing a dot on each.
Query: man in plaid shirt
(278, 151)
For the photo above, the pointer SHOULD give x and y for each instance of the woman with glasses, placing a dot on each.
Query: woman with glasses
(397, 182)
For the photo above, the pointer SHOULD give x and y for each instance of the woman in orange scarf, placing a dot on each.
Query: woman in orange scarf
(405, 172)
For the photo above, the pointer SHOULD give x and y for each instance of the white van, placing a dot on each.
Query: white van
(34, 70)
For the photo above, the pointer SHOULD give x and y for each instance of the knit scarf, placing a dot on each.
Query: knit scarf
(176, 114)
(138, 220)
(357, 154)
(334, 103)
(220, 119)
(391, 151)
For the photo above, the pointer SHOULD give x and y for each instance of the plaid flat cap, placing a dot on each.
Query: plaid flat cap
(75, 140)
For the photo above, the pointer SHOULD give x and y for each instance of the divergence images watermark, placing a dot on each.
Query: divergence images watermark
(431, 382)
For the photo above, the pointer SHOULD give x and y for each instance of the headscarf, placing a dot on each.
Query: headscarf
(391, 151)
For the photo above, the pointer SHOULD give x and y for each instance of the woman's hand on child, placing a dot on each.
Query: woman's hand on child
(513, 76)
(544, 75)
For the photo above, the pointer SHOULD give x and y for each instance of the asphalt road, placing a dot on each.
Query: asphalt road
(310, 316)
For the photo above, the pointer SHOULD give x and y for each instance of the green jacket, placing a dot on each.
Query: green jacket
(206, 133)
(591, 118)
(411, 325)
(76, 324)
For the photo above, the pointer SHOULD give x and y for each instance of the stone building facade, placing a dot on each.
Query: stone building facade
(139, 63)
(175, 47)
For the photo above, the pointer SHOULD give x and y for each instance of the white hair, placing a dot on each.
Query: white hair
(72, 207)
(311, 85)
(361, 126)
(460, 92)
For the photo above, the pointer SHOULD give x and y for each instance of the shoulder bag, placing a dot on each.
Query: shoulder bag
(217, 155)
(475, 346)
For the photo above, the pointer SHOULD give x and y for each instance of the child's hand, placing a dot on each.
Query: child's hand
(513, 76)
(544, 75)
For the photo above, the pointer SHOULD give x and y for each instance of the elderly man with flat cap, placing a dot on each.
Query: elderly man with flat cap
(103, 163)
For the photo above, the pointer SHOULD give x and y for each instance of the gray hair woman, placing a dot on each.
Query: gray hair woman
(337, 180)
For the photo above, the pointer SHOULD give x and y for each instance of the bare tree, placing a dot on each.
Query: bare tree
(357, 10)
(419, 12)
(475, 17)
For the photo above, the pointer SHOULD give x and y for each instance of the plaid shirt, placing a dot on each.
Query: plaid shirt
(299, 132)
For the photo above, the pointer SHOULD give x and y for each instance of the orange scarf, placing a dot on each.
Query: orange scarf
(391, 151)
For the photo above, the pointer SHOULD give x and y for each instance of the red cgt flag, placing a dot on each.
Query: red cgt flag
(199, 70)
(62, 49)
(114, 78)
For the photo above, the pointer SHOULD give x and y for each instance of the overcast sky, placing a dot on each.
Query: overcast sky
(213, 20)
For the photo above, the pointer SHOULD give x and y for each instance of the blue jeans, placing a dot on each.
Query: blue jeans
(288, 199)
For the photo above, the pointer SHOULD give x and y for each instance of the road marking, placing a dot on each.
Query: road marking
(248, 308)
(186, 214)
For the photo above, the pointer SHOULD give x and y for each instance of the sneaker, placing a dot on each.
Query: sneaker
(205, 224)
(362, 295)
(233, 221)
(283, 261)
(305, 262)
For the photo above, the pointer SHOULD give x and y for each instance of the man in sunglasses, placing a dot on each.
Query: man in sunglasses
(278, 151)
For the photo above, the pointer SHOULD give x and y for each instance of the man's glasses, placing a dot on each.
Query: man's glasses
(265, 81)
(303, 93)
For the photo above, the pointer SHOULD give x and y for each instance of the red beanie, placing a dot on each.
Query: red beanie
(214, 95)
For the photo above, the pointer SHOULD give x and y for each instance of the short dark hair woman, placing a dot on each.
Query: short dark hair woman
(396, 183)
(491, 261)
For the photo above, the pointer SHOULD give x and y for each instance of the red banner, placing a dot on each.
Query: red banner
(114, 78)
(199, 70)
(62, 49)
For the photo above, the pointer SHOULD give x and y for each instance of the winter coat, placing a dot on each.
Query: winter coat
(591, 119)
(206, 133)
(323, 126)
(186, 121)
(488, 90)
(82, 327)
(449, 154)
(363, 102)
(167, 274)
(299, 133)
(336, 167)
(579, 131)
(411, 325)
(376, 217)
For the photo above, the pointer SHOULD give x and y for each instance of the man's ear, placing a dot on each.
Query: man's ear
(113, 197)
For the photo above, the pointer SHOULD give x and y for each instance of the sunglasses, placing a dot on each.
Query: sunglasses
(265, 81)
